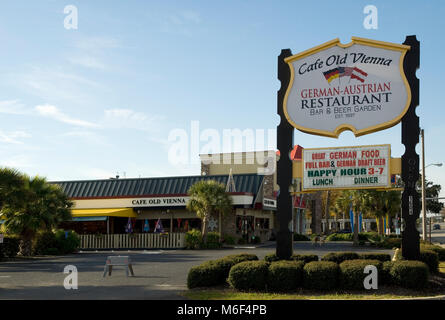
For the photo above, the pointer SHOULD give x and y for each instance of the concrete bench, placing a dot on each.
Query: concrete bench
(118, 261)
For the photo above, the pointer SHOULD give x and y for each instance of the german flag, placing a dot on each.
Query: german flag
(331, 74)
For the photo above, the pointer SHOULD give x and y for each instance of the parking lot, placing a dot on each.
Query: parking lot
(159, 274)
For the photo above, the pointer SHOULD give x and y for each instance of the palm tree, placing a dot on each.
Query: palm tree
(42, 207)
(208, 197)
(383, 203)
(356, 198)
(11, 186)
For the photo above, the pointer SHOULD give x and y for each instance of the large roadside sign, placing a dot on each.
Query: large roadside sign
(359, 167)
(360, 86)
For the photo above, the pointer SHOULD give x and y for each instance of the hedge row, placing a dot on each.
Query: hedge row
(306, 258)
(9, 247)
(437, 249)
(194, 240)
(339, 257)
(429, 257)
(324, 275)
(215, 272)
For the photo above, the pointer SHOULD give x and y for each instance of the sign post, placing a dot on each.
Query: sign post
(285, 144)
(363, 86)
(410, 159)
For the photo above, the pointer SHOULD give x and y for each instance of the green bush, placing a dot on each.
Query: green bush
(437, 249)
(237, 258)
(271, 257)
(256, 239)
(212, 241)
(300, 237)
(385, 273)
(54, 243)
(431, 259)
(67, 242)
(249, 275)
(372, 236)
(409, 274)
(352, 275)
(390, 243)
(285, 275)
(306, 258)
(204, 275)
(339, 257)
(345, 237)
(45, 243)
(215, 272)
(375, 256)
(9, 248)
(320, 275)
(229, 240)
(193, 239)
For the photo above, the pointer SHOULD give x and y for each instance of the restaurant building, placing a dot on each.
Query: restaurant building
(107, 206)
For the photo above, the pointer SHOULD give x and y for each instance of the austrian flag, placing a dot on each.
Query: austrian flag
(352, 72)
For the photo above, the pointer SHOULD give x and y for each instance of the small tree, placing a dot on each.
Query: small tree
(42, 206)
(207, 197)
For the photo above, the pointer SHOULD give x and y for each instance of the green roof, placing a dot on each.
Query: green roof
(245, 183)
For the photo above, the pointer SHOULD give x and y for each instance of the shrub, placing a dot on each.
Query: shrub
(237, 258)
(352, 272)
(229, 240)
(45, 243)
(212, 241)
(431, 259)
(385, 273)
(256, 239)
(215, 272)
(306, 258)
(249, 275)
(67, 241)
(409, 274)
(339, 257)
(300, 237)
(320, 275)
(376, 256)
(285, 275)
(271, 257)
(437, 249)
(241, 241)
(372, 236)
(204, 275)
(193, 239)
(9, 247)
(346, 237)
(390, 243)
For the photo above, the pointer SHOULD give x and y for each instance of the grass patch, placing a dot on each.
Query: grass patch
(442, 267)
(230, 294)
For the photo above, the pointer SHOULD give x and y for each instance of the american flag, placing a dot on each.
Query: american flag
(345, 71)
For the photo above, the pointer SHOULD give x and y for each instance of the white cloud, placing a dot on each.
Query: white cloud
(12, 137)
(130, 119)
(54, 84)
(96, 43)
(12, 107)
(18, 162)
(87, 62)
(87, 136)
(53, 112)
(96, 173)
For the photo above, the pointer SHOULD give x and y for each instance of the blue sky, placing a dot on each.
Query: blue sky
(87, 103)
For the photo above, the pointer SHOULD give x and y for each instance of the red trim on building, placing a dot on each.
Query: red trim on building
(154, 196)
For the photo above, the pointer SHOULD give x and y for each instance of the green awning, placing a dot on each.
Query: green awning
(84, 219)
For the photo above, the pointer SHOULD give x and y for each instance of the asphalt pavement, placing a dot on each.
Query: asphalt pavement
(159, 274)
